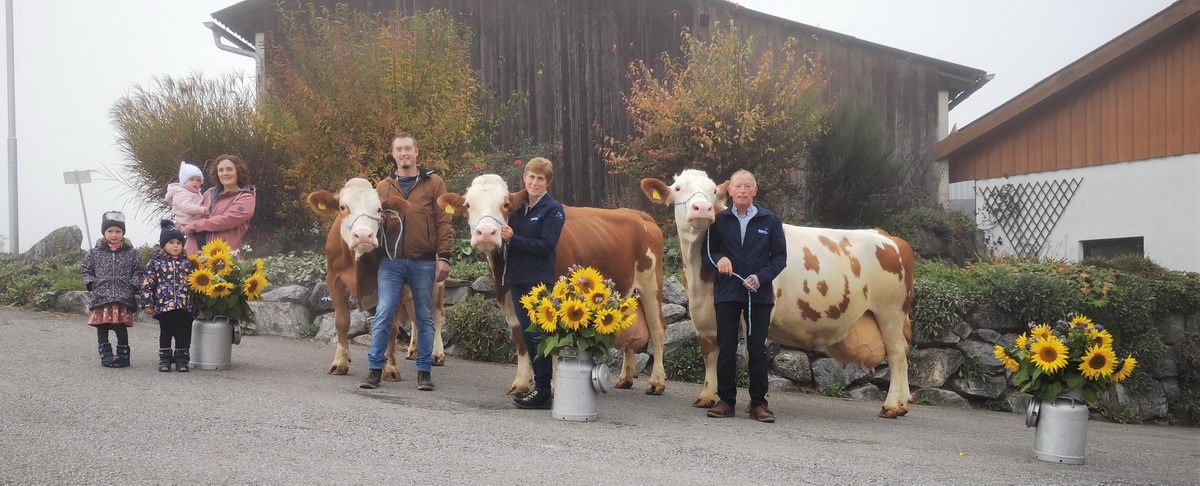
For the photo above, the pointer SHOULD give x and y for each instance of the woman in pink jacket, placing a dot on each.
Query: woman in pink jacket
(230, 204)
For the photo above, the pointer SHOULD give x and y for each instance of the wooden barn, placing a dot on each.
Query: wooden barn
(1101, 158)
(571, 58)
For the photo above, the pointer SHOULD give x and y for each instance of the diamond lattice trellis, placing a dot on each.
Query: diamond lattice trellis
(1028, 212)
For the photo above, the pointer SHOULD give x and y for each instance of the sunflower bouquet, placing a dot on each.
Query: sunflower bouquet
(1073, 355)
(581, 310)
(224, 286)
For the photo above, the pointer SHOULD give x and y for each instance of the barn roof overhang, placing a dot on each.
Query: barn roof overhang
(1179, 14)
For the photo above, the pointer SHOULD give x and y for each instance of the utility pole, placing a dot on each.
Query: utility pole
(13, 226)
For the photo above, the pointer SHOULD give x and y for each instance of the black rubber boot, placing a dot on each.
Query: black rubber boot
(106, 354)
(164, 359)
(424, 381)
(181, 360)
(372, 379)
(122, 360)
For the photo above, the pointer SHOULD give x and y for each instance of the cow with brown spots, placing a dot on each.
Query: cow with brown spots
(846, 291)
(624, 245)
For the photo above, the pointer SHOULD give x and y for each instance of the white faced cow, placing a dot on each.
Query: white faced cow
(352, 255)
(622, 244)
(847, 291)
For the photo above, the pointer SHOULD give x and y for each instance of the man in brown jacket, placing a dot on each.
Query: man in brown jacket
(417, 253)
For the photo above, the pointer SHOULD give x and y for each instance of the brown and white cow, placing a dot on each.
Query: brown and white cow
(847, 291)
(352, 255)
(622, 244)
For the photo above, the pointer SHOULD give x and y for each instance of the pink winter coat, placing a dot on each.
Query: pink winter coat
(228, 218)
(186, 202)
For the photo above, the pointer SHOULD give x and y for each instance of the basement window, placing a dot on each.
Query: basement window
(1114, 247)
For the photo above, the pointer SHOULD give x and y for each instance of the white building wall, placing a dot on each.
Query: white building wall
(1157, 199)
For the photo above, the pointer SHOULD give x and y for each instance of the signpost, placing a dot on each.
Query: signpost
(79, 178)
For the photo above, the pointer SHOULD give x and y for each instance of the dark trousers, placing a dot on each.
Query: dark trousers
(121, 330)
(543, 368)
(728, 328)
(175, 324)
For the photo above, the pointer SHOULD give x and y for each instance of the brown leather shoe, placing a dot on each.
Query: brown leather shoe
(721, 410)
(762, 414)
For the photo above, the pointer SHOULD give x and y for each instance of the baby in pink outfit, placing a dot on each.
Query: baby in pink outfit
(184, 196)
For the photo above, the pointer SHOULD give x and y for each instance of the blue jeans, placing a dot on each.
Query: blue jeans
(543, 368)
(394, 274)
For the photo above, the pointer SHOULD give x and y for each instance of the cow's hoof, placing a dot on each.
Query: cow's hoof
(439, 360)
(338, 370)
(655, 388)
(889, 413)
(518, 389)
(391, 374)
(624, 383)
(703, 402)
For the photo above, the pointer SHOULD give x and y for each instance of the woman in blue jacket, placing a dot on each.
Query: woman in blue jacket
(531, 236)
(746, 245)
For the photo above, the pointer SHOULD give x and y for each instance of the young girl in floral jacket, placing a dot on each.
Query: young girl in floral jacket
(112, 271)
(167, 297)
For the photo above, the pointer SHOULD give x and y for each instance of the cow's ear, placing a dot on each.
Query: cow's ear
(324, 203)
(395, 203)
(656, 190)
(722, 194)
(518, 199)
(452, 203)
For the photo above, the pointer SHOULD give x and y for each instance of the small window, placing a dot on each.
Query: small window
(1114, 247)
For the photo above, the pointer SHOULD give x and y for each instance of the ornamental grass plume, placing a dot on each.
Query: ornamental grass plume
(223, 285)
(581, 310)
(1073, 355)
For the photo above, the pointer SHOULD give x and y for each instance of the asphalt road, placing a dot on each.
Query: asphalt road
(277, 418)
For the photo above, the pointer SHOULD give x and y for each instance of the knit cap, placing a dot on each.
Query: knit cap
(112, 218)
(169, 232)
(188, 171)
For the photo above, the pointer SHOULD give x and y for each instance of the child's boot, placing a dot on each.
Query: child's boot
(106, 354)
(122, 359)
(164, 359)
(181, 360)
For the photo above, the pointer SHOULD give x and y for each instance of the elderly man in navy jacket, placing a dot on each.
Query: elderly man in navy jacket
(746, 245)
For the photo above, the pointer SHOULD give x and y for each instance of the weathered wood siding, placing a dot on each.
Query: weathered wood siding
(571, 57)
(1145, 106)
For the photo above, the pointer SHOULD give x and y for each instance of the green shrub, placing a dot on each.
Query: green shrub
(1117, 412)
(1130, 316)
(1032, 297)
(469, 270)
(295, 268)
(37, 284)
(685, 364)
(480, 331)
(937, 220)
(836, 390)
(975, 370)
(937, 305)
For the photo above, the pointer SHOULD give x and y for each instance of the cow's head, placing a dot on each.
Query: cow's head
(357, 210)
(486, 205)
(695, 197)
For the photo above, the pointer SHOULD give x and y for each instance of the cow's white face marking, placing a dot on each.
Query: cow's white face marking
(487, 210)
(361, 211)
(694, 197)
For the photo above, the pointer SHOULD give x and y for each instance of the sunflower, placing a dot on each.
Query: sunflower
(1049, 354)
(1081, 320)
(528, 301)
(1042, 331)
(1126, 369)
(575, 314)
(202, 280)
(628, 321)
(214, 248)
(628, 306)
(1005, 359)
(1022, 342)
(195, 261)
(598, 297)
(1098, 362)
(1104, 337)
(608, 321)
(546, 316)
(222, 263)
(561, 289)
(258, 265)
(254, 286)
(538, 291)
(221, 289)
(585, 280)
